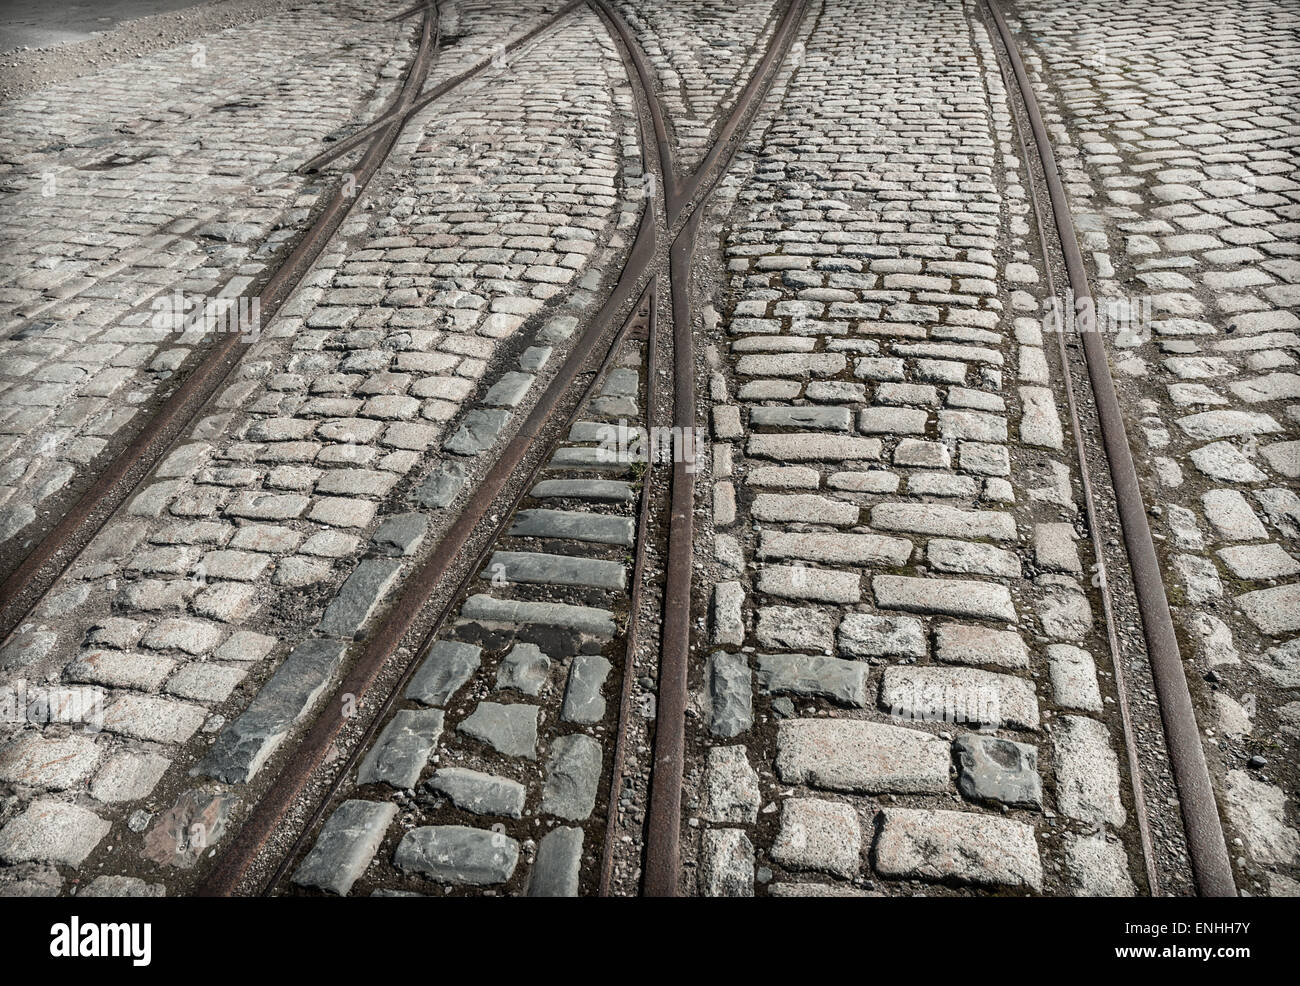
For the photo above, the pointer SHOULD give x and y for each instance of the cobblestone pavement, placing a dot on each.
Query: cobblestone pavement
(702, 54)
(1179, 129)
(895, 525)
(478, 29)
(494, 763)
(207, 619)
(901, 681)
(132, 191)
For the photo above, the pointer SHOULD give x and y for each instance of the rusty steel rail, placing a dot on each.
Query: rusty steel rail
(663, 819)
(641, 76)
(664, 816)
(1094, 525)
(1207, 847)
(649, 309)
(33, 577)
(724, 146)
(233, 865)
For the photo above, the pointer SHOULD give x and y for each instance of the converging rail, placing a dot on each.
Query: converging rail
(531, 640)
(25, 586)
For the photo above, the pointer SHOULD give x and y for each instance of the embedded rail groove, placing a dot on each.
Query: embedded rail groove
(1207, 846)
(650, 311)
(24, 587)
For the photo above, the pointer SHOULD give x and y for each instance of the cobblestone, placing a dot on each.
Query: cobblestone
(727, 864)
(819, 835)
(1087, 771)
(843, 682)
(244, 745)
(958, 846)
(457, 854)
(731, 787)
(730, 694)
(53, 832)
(446, 668)
(947, 597)
(867, 757)
(950, 694)
(889, 548)
(402, 750)
(572, 776)
(508, 729)
(345, 846)
(998, 771)
(557, 869)
(480, 793)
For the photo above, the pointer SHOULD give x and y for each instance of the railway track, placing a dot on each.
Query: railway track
(529, 632)
(1103, 461)
(27, 586)
(36, 570)
(398, 115)
(31, 579)
(682, 202)
(1206, 844)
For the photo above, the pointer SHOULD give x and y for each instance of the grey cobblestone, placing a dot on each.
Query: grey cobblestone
(848, 755)
(937, 693)
(583, 701)
(457, 854)
(572, 776)
(557, 869)
(508, 729)
(52, 831)
(824, 836)
(996, 770)
(731, 790)
(727, 864)
(1187, 184)
(402, 750)
(947, 597)
(1087, 771)
(843, 682)
(345, 846)
(958, 846)
(730, 694)
(244, 745)
(480, 793)
(446, 668)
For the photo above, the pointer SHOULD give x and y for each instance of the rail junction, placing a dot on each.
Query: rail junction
(782, 448)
